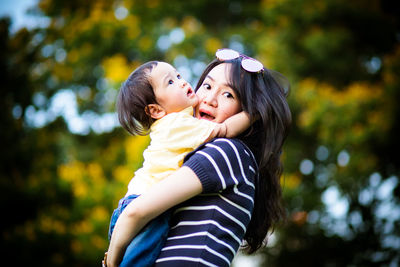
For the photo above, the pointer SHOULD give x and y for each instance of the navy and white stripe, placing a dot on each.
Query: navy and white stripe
(208, 229)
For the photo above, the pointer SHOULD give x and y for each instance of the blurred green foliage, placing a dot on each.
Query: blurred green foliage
(59, 182)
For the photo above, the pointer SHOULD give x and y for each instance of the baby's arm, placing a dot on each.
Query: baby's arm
(231, 127)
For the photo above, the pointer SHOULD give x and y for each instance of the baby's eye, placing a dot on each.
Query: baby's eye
(170, 82)
(228, 95)
(179, 76)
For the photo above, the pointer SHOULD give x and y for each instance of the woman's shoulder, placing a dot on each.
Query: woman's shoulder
(230, 143)
(225, 148)
(223, 163)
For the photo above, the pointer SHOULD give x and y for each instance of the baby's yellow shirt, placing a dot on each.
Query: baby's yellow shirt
(172, 138)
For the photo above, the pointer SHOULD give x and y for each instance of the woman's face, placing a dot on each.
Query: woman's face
(217, 100)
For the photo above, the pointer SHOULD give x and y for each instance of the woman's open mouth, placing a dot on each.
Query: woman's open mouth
(205, 115)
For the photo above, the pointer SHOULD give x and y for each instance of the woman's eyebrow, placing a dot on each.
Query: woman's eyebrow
(213, 80)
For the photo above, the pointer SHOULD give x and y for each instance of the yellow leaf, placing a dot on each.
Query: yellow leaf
(212, 45)
(117, 68)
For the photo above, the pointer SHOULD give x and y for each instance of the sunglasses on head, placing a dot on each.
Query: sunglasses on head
(249, 64)
(253, 65)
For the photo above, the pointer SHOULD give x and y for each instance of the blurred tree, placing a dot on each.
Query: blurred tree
(343, 57)
(29, 185)
(64, 174)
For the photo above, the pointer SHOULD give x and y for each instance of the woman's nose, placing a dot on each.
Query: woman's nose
(210, 99)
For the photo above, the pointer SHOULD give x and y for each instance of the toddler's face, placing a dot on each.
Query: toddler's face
(172, 92)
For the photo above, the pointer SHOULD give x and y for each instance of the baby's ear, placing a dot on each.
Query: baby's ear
(155, 111)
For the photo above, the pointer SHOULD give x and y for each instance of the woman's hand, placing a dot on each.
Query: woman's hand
(176, 188)
(111, 259)
(106, 262)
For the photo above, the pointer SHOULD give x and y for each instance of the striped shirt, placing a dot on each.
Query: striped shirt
(208, 229)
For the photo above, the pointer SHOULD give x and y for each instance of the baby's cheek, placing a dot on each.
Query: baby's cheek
(196, 101)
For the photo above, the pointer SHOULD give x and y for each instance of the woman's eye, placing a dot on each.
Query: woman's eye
(207, 86)
(228, 95)
(170, 82)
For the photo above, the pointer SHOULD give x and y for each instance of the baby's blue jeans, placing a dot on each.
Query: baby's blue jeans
(146, 246)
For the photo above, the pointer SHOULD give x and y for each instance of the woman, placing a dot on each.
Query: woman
(225, 193)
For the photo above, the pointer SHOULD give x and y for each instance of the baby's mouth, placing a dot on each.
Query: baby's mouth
(189, 92)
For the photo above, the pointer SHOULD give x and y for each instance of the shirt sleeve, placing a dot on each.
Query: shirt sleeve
(181, 131)
(221, 164)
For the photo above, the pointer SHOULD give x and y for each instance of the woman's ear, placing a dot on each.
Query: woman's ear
(155, 111)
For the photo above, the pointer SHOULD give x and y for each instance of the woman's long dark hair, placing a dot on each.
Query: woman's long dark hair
(265, 100)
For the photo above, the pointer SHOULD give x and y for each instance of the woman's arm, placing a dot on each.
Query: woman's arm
(176, 188)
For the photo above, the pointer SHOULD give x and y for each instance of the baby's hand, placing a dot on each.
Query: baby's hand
(218, 131)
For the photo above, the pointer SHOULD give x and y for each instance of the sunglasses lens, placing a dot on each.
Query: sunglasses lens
(249, 64)
(226, 54)
(252, 65)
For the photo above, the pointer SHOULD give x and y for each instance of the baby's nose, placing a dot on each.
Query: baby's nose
(183, 84)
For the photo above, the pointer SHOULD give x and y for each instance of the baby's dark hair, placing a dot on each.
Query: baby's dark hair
(134, 96)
